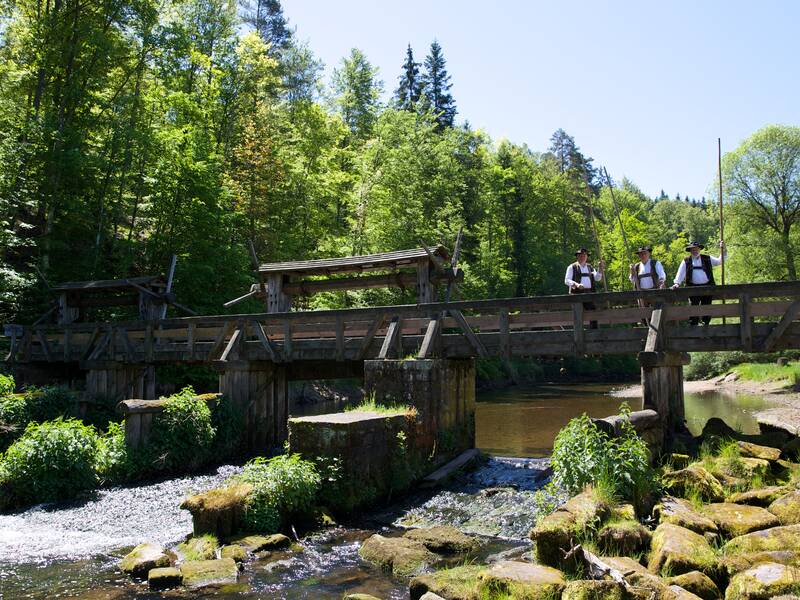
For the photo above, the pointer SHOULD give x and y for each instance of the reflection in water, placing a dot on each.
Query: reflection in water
(735, 409)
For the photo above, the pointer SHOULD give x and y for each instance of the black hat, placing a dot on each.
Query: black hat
(581, 250)
(694, 245)
(644, 249)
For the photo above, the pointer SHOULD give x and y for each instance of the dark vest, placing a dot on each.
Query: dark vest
(577, 277)
(705, 262)
(651, 273)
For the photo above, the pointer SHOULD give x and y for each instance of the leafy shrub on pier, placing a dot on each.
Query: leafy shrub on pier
(584, 455)
(284, 487)
(182, 435)
(51, 461)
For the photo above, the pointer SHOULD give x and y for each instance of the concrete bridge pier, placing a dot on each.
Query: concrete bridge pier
(443, 392)
(258, 391)
(120, 381)
(662, 386)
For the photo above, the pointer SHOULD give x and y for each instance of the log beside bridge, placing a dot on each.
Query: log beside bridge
(277, 347)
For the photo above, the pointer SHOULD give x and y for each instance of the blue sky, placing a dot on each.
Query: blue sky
(644, 87)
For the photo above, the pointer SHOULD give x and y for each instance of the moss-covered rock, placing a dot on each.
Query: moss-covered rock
(678, 511)
(734, 520)
(203, 547)
(260, 543)
(763, 581)
(459, 583)
(622, 512)
(164, 578)
(589, 510)
(623, 537)
(750, 450)
(234, 551)
(694, 479)
(786, 537)
(397, 555)
(202, 573)
(787, 508)
(138, 562)
(553, 536)
(677, 550)
(698, 584)
(591, 589)
(679, 461)
(759, 497)
(676, 592)
(736, 563)
(444, 540)
(521, 580)
(219, 511)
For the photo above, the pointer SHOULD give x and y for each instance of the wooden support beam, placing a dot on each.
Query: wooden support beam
(505, 338)
(265, 341)
(148, 342)
(745, 323)
(221, 337)
(473, 340)
(248, 295)
(67, 344)
(45, 345)
(779, 329)
(130, 352)
(578, 333)
(232, 343)
(89, 350)
(370, 335)
(287, 340)
(429, 342)
(656, 329)
(393, 338)
(191, 330)
(339, 338)
(101, 345)
(27, 342)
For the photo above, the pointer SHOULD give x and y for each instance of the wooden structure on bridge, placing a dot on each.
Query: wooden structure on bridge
(421, 269)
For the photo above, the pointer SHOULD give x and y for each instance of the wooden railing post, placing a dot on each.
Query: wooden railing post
(578, 333)
(745, 322)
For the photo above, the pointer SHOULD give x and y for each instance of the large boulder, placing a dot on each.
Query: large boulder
(202, 573)
(750, 450)
(164, 578)
(623, 537)
(786, 537)
(553, 536)
(698, 584)
(734, 520)
(219, 511)
(677, 550)
(592, 589)
(400, 556)
(203, 547)
(444, 540)
(521, 579)
(458, 583)
(694, 479)
(138, 562)
(624, 564)
(234, 551)
(763, 581)
(588, 510)
(736, 563)
(759, 497)
(678, 511)
(787, 508)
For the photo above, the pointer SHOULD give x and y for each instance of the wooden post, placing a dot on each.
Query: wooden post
(662, 386)
(426, 292)
(66, 314)
(277, 300)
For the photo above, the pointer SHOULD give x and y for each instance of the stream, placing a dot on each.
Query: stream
(71, 550)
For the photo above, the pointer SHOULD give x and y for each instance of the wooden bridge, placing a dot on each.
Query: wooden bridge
(257, 354)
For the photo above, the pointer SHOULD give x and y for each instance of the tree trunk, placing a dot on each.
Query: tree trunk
(787, 250)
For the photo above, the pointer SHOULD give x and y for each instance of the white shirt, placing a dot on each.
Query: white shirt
(699, 276)
(648, 283)
(586, 276)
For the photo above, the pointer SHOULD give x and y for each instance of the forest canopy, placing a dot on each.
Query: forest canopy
(135, 129)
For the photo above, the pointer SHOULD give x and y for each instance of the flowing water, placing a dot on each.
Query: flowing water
(71, 550)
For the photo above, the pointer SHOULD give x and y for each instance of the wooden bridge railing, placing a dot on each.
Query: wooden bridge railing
(758, 317)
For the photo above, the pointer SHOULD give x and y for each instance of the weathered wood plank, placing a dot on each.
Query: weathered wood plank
(287, 340)
(89, 349)
(232, 343)
(578, 332)
(265, 341)
(474, 341)
(392, 338)
(745, 323)
(339, 339)
(783, 324)
(221, 337)
(656, 330)
(130, 351)
(431, 337)
(45, 346)
(370, 335)
(191, 330)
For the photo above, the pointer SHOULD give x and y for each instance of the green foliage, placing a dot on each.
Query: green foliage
(45, 404)
(6, 385)
(584, 455)
(51, 461)
(182, 434)
(711, 364)
(227, 424)
(284, 487)
(113, 462)
(370, 405)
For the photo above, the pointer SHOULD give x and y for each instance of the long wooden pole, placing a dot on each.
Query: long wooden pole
(721, 220)
(621, 226)
(597, 239)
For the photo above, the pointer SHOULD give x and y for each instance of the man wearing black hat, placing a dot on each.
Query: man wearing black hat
(647, 273)
(581, 277)
(696, 269)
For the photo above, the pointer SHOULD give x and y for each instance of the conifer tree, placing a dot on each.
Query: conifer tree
(436, 87)
(408, 92)
(266, 17)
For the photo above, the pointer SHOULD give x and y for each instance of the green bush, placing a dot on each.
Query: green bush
(182, 435)
(6, 385)
(710, 364)
(112, 454)
(284, 487)
(51, 461)
(227, 424)
(584, 455)
(51, 402)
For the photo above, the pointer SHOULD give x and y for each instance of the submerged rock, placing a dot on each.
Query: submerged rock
(591, 589)
(761, 497)
(734, 520)
(787, 508)
(521, 579)
(360, 597)
(201, 573)
(259, 543)
(698, 584)
(164, 578)
(458, 583)
(141, 559)
(677, 550)
(763, 581)
(219, 511)
(786, 537)
(624, 537)
(681, 512)
(234, 551)
(397, 555)
(443, 539)
(694, 479)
